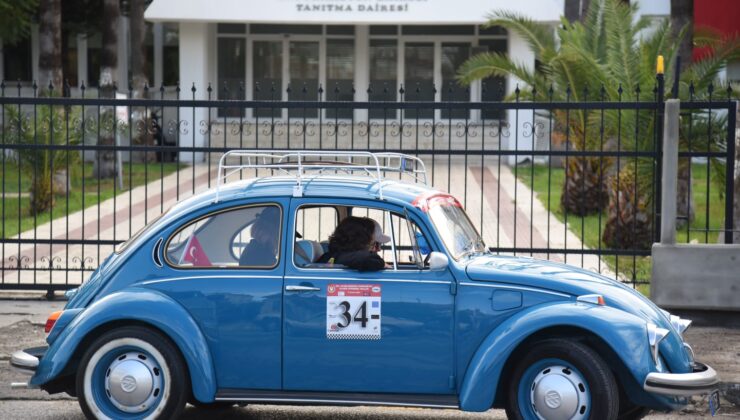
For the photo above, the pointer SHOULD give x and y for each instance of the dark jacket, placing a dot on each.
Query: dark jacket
(357, 260)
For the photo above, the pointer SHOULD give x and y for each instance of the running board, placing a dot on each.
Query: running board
(337, 398)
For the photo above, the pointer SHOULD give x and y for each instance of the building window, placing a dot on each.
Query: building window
(17, 61)
(383, 74)
(304, 77)
(340, 74)
(69, 57)
(94, 44)
(170, 54)
(436, 30)
(267, 64)
(419, 77)
(453, 56)
(231, 72)
(493, 88)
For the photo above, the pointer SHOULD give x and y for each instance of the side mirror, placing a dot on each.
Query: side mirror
(438, 261)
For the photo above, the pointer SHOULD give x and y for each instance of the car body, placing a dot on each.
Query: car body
(452, 333)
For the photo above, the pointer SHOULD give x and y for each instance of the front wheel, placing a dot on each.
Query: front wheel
(132, 373)
(562, 380)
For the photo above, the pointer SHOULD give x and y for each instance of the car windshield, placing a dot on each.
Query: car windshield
(454, 226)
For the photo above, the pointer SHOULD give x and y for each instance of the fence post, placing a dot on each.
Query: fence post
(669, 181)
(730, 174)
(659, 99)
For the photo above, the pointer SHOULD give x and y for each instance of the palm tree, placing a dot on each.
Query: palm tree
(105, 164)
(47, 128)
(565, 67)
(610, 53)
(16, 17)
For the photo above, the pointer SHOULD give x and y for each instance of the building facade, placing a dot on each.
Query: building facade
(358, 50)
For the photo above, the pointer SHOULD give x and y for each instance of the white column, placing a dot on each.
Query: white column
(520, 52)
(81, 60)
(123, 43)
(158, 34)
(362, 68)
(193, 48)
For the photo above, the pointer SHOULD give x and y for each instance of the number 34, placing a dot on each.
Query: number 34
(360, 315)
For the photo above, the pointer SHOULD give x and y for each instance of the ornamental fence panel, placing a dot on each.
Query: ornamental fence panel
(571, 176)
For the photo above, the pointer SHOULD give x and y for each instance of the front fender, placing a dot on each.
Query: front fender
(624, 332)
(142, 305)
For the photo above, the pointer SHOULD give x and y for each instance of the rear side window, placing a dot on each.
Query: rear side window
(245, 237)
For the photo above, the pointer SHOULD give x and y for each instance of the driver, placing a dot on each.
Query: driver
(355, 244)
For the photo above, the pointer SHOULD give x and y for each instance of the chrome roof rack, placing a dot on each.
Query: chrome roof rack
(301, 163)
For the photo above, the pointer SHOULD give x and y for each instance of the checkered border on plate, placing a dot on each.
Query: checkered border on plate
(353, 337)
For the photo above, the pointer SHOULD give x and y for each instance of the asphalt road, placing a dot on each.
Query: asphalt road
(21, 325)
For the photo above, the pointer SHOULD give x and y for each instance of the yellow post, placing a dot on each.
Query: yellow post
(660, 67)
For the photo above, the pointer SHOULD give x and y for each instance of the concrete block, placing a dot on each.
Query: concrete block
(705, 277)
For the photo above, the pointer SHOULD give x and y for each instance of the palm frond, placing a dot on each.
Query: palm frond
(539, 36)
(486, 65)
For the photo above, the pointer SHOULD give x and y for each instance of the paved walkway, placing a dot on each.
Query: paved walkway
(508, 213)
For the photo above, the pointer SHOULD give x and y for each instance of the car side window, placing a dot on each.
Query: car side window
(245, 237)
(316, 224)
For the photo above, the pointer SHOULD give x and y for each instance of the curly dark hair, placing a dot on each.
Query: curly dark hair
(352, 234)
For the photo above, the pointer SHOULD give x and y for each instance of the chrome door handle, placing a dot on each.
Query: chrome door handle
(302, 289)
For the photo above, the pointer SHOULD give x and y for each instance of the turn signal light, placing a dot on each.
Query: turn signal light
(592, 299)
(51, 321)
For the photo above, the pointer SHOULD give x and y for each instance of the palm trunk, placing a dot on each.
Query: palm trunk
(50, 83)
(628, 221)
(142, 133)
(584, 191)
(50, 46)
(138, 53)
(105, 163)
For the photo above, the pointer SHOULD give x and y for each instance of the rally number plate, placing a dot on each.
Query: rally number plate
(353, 311)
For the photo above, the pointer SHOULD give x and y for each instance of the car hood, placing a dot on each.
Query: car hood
(566, 279)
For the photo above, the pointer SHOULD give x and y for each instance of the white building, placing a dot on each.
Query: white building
(256, 49)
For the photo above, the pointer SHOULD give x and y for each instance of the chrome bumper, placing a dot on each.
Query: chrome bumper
(27, 361)
(702, 380)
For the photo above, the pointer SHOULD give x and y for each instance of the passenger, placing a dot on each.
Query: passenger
(355, 244)
(262, 250)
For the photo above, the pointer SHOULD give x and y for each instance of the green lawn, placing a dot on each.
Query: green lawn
(588, 228)
(11, 223)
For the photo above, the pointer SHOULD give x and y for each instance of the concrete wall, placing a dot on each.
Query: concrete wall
(687, 276)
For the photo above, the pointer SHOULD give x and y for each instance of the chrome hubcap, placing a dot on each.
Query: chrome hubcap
(133, 382)
(559, 393)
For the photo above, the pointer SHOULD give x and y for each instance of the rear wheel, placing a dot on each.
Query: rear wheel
(132, 373)
(562, 380)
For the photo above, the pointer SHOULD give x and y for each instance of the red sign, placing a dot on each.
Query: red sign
(353, 290)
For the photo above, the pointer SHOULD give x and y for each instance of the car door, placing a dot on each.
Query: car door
(401, 335)
(233, 288)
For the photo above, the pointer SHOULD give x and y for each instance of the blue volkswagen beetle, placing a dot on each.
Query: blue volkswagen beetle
(224, 299)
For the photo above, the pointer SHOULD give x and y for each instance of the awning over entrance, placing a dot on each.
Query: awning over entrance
(423, 12)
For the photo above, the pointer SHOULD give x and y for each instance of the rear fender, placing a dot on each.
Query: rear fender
(144, 306)
(624, 332)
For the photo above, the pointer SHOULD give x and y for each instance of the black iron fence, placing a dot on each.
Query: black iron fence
(571, 176)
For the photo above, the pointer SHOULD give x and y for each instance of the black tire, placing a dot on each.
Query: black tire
(603, 388)
(166, 393)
